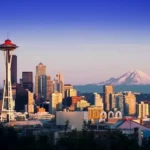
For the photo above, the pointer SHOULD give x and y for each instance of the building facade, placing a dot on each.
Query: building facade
(58, 84)
(14, 70)
(129, 104)
(67, 87)
(24, 100)
(94, 112)
(70, 92)
(75, 119)
(27, 80)
(45, 86)
(98, 101)
(55, 102)
(40, 70)
(143, 110)
(120, 103)
(107, 90)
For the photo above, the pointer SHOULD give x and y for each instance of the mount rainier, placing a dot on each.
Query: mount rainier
(135, 77)
(136, 81)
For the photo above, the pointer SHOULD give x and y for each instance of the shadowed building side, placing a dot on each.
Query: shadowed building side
(27, 80)
(21, 98)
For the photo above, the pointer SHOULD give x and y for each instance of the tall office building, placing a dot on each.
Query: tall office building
(117, 102)
(30, 105)
(107, 89)
(21, 98)
(130, 103)
(120, 102)
(49, 87)
(98, 101)
(58, 84)
(14, 70)
(27, 80)
(143, 110)
(55, 102)
(14, 75)
(40, 70)
(112, 100)
(24, 100)
(45, 86)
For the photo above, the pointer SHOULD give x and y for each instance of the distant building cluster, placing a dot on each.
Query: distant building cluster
(53, 95)
(49, 99)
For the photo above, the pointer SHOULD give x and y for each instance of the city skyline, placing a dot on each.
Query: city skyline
(87, 42)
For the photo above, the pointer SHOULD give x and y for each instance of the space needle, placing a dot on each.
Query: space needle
(7, 104)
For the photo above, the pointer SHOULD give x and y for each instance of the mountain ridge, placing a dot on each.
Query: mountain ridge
(133, 77)
(134, 80)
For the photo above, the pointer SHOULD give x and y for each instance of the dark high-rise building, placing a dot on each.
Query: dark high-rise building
(27, 77)
(27, 80)
(14, 70)
(20, 81)
(21, 98)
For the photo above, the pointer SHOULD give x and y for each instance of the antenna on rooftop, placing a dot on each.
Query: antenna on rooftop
(8, 35)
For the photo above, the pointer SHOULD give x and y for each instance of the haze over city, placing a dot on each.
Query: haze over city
(87, 42)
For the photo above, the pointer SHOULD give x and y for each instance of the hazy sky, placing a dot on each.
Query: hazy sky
(87, 40)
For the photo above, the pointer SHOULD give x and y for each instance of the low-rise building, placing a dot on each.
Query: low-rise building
(75, 118)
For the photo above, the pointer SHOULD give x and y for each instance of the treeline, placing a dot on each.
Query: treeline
(84, 140)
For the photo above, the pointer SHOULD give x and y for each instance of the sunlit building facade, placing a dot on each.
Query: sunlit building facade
(129, 103)
(143, 110)
(107, 90)
(98, 101)
(55, 102)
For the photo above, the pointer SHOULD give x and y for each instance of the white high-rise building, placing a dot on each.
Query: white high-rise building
(98, 101)
(55, 102)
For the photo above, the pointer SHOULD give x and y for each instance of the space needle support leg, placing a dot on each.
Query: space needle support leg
(10, 99)
(4, 90)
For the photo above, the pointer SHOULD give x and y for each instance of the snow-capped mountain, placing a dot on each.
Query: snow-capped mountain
(135, 77)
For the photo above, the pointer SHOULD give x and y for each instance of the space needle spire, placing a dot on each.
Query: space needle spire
(7, 104)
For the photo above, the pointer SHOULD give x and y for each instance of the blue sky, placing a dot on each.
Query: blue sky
(87, 40)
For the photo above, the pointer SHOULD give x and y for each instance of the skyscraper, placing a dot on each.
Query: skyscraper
(55, 102)
(143, 110)
(130, 103)
(27, 80)
(107, 89)
(44, 87)
(49, 87)
(40, 70)
(98, 100)
(24, 99)
(58, 84)
(117, 102)
(14, 70)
